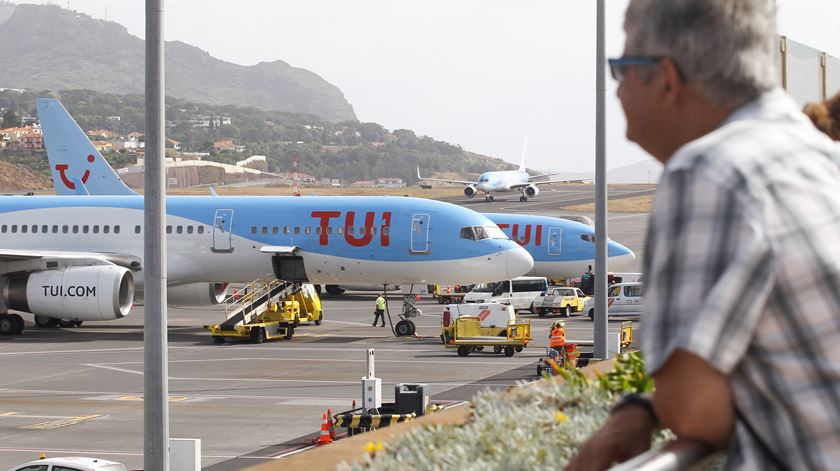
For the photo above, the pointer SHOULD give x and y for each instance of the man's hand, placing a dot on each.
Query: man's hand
(626, 434)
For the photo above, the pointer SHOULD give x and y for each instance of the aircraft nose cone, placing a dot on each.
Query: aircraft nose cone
(619, 255)
(519, 262)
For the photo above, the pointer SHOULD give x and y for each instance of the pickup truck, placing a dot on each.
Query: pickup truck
(623, 300)
(559, 300)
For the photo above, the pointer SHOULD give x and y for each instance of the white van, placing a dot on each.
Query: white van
(623, 300)
(518, 292)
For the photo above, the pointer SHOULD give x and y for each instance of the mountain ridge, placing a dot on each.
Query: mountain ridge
(56, 49)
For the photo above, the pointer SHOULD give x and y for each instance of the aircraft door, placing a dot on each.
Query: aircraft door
(420, 234)
(555, 236)
(222, 227)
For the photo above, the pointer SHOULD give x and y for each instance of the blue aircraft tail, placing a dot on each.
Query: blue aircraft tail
(73, 157)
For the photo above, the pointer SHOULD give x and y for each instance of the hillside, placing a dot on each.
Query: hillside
(16, 178)
(349, 151)
(47, 47)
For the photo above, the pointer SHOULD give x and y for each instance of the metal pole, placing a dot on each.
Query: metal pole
(600, 324)
(155, 367)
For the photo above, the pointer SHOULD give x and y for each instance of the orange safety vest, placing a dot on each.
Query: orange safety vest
(557, 338)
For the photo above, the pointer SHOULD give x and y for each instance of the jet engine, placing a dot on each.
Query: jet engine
(532, 191)
(91, 293)
(197, 294)
(470, 191)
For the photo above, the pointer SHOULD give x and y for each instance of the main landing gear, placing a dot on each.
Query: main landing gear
(488, 198)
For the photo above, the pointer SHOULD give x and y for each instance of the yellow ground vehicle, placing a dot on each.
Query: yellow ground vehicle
(559, 300)
(494, 318)
(268, 310)
(447, 294)
(467, 337)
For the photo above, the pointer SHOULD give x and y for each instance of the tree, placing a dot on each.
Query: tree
(10, 119)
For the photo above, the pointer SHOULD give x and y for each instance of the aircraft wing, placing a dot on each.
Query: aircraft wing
(547, 182)
(72, 258)
(462, 182)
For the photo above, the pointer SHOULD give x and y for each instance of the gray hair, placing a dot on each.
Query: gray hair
(722, 47)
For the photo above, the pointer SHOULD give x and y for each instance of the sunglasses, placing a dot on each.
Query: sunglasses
(619, 66)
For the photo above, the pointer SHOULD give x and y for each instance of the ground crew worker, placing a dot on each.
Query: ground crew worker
(557, 336)
(380, 310)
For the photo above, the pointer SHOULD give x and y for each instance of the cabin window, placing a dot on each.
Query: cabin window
(373, 231)
(106, 229)
(265, 230)
(136, 229)
(75, 229)
(318, 230)
(201, 229)
(297, 230)
(14, 228)
(189, 229)
(351, 230)
(275, 230)
(54, 229)
(85, 229)
(339, 230)
(45, 229)
(4, 228)
(286, 230)
(179, 229)
(96, 229)
(329, 230)
(116, 229)
(64, 229)
(253, 229)
(169, 229)
(386, 230)
(24, 228)
(307, 230)
(34, 229)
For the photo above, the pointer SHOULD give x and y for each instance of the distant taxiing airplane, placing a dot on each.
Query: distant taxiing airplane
(503, 181)
(79, 258)
(560, 248)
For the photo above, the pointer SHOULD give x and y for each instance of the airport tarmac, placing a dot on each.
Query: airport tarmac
(79, 391)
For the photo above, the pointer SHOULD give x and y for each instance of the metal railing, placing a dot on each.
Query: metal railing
(677, 455)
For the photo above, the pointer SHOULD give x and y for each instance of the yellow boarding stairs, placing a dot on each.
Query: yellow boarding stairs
(268, 310)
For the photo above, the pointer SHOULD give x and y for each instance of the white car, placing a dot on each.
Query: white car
(70, 463)
(623, 299)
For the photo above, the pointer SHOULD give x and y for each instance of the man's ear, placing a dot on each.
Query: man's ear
(672, 83)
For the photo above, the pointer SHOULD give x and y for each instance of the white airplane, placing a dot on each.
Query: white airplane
(502, 181)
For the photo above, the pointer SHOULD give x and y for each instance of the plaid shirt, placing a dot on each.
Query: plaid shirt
(742, 267)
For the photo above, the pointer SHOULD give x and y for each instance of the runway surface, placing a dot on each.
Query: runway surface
(79, 391)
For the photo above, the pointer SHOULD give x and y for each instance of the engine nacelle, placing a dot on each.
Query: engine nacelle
(197, 294)
(532, 191)
(470, 191)
(92, 293)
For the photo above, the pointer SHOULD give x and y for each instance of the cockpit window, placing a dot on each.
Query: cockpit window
(482, 232)
(483, 179)
(588, 237)
(494, 232)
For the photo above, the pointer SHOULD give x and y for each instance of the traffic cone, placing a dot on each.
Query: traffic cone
(331, 423)
(324, 438)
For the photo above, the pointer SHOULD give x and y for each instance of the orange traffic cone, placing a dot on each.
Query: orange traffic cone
(331, 423)
(324, 437)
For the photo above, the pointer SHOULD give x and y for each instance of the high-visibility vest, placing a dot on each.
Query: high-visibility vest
(557, 338)
(380, 303)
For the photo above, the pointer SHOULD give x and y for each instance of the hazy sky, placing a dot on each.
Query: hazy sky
(484, 74)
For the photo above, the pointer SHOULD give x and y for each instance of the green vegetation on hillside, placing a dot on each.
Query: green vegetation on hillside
(347, 150)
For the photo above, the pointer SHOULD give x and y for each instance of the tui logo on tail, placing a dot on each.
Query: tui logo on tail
(61, 168)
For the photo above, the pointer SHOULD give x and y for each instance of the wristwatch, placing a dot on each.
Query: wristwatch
(636, 400)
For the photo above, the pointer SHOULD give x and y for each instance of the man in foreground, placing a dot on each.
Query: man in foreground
(741, 329)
